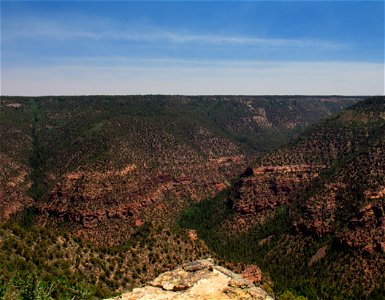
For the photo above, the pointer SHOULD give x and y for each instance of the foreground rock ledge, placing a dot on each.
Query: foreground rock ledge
(198, 280)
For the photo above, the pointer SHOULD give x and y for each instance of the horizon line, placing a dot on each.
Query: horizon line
(198, 95)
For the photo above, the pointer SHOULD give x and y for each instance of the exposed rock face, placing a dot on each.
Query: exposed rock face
(91, 201)
(321, 253)
(193, 235)
(13, 105)
(252, 273)
(366, 230)
(261, 119)
(267, 187)
(200, 279)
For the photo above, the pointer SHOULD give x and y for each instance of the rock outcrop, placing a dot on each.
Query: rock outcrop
(266, 187)
(200, 279)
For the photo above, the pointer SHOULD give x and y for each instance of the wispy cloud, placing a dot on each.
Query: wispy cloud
(57, 30)
(52, 52)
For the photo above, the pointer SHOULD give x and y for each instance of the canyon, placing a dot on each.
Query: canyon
(262, 184)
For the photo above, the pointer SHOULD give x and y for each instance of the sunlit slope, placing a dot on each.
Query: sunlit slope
(108, 163)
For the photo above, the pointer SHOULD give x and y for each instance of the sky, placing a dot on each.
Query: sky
(192, 47)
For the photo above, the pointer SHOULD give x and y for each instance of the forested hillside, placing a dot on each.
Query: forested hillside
(94, 161)
(115, 172)
(312, 213)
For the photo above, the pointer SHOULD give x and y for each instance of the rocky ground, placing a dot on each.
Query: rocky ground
(200, 279)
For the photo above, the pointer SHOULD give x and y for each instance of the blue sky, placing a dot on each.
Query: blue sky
(192, 47)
